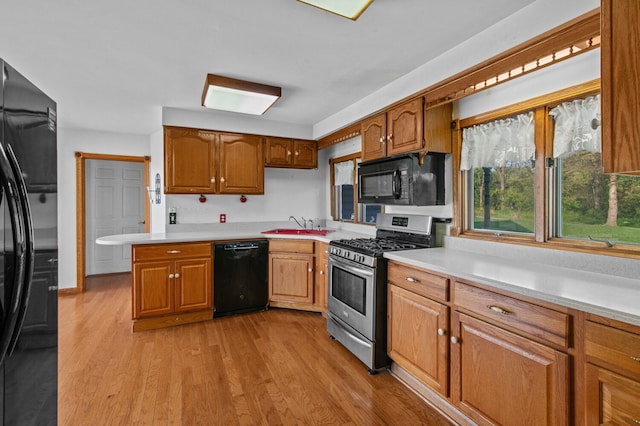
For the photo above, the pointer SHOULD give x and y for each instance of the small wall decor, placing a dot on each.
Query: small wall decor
(243, 199)
(202, 198)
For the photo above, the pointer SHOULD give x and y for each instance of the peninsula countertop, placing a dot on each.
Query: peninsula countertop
(230, 231)
(606, 295)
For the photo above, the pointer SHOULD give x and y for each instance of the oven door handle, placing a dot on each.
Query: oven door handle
(347, 265)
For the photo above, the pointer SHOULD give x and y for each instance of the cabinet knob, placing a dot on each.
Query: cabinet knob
(310, 269)
(390, 137)
(221, 179)
(321, 272)
(454, 340)
(636, 358)
(441, 332)
(171, 276)
(288, 153)
(213, 180)
(412, 280)
(297, 153)
(177, 275)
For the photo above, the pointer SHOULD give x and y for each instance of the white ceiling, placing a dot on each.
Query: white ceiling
(112, 65)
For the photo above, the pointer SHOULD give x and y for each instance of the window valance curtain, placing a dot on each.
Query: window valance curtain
(343, 173)
(500, 143)
(577, 126)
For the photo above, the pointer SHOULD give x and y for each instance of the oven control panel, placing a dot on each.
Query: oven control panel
(353, 256)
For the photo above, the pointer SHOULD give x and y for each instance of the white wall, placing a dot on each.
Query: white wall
(70, 141)
(531, 21)
(286, 192)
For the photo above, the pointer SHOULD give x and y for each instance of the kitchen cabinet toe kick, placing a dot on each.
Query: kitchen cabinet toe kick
(171, 320)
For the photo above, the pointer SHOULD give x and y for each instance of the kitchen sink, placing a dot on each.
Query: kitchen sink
(296, 231)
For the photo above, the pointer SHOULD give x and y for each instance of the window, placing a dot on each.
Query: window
(590, 205)
(567, 202)
(498, 159)
(344, 192)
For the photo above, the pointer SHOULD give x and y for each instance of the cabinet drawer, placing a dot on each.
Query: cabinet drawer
(618, 349)
(537, 321)
(291, 246)
(419, 281)
(170, 251)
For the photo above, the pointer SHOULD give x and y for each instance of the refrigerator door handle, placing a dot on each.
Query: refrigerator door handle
(13, 303)
(25, 209)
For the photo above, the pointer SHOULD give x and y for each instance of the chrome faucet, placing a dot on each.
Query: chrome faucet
(301, 225)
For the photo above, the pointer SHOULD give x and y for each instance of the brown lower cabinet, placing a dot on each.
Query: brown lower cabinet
(298, 274)
(612, 372)
(321, 284)
(417, 330)
(490, 357)
(172, 284)
(291, 273)
(499, 377)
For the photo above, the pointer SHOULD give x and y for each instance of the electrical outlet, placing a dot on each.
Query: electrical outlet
(223, 218)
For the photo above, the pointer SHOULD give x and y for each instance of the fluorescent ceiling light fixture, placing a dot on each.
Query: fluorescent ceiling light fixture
(230, 94)
(351, 9)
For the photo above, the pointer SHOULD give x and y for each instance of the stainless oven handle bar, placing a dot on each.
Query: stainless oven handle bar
(352, 267)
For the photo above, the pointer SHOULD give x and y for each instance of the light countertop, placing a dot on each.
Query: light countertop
(226, 232)
(606, 295)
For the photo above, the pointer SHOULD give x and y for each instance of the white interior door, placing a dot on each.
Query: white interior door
(115, 204)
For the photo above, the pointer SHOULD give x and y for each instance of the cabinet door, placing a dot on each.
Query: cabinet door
(278, 152)
(305, 154)
(152, 289)
(417, 337)
(374, 135)
(321, 276)
(498, 377)
(437, 128)
(611, 399)
(404, 126)
(620, 89)
(193, 285)
(190, 161)
(241, 164)
(291, 278)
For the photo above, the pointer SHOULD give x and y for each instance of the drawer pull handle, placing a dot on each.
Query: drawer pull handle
(412, 280)
(174, 252)
(636, 359)
(498, 309)
(441, 332)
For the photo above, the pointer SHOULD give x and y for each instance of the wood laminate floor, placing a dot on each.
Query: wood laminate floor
(266, 368)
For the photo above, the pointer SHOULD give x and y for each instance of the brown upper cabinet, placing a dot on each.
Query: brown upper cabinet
(209, 162)
(437, 128)
(407, 128)
(396, 131)
(291, 153)
(620, 80)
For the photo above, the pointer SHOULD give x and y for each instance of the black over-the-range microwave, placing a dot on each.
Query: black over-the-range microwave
(403, 180)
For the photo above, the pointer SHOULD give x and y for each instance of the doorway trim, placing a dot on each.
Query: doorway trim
(81, 225)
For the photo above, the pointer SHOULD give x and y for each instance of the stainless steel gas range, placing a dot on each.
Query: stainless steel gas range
(357, 302)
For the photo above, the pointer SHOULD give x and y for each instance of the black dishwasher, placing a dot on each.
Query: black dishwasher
(240, 277)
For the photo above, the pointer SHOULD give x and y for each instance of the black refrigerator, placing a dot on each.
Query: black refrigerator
(28, 253)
